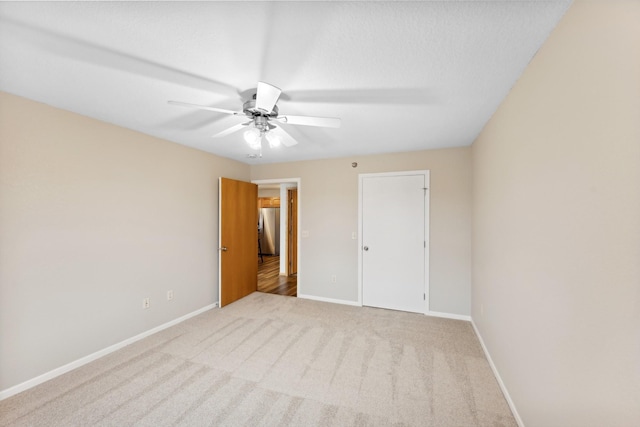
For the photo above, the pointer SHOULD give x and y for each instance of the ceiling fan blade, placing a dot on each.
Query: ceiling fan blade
(203, 107)
(230, 130)
(287, 139)
(266, 97)
(101, 55)
(389, 96)
(327, 122)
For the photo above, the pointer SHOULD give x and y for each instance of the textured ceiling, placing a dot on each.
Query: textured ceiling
(402, 76)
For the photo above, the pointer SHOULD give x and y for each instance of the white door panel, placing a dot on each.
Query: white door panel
(393, 241)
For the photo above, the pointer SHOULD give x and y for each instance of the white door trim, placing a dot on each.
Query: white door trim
(298, 182)
(361, 178)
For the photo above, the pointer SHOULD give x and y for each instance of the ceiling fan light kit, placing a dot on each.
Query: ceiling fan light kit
(261, 110)
(274, 140)
(253, 138)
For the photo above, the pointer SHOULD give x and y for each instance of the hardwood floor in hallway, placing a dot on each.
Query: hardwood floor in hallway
(270, 280)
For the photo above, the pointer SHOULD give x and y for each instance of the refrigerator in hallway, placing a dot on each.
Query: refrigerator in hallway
(269, 231)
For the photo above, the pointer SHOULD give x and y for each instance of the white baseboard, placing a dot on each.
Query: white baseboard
(335, 301)
(98, 354)
(357, 304)
(449, 315)
(512, 405)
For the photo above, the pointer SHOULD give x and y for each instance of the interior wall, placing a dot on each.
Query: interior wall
(94, 218)
(268, 192)
(329, 213)
(556, 226)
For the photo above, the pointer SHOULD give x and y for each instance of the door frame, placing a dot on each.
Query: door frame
(298, 182)
(361, 178)
(292, 218)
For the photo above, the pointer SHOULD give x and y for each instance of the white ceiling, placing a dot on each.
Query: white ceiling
(402, 76)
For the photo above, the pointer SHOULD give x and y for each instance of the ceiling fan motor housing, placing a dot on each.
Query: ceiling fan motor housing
(260, 119)
(250, 109)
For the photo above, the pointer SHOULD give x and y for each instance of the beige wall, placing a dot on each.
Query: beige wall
(268, 192)
(556, 229)
(329, 211)
(94, 218)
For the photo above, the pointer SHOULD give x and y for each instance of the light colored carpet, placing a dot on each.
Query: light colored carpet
(270, 360)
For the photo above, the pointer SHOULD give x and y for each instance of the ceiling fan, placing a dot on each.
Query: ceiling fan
(262, 112)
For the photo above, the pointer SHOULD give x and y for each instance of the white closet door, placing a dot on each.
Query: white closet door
(394, 241)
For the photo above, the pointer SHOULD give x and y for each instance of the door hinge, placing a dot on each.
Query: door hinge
(425, 190)
(425, 243)
(424, 297)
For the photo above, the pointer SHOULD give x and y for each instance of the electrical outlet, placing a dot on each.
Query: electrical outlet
(169, 295)
(146, 303)
(333, 278)
(354, 236)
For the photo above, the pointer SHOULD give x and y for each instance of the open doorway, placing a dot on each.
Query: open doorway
(278, 219)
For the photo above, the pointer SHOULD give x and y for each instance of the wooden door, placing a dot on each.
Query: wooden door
(238, 248)
(394, 242)
(292, 232)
